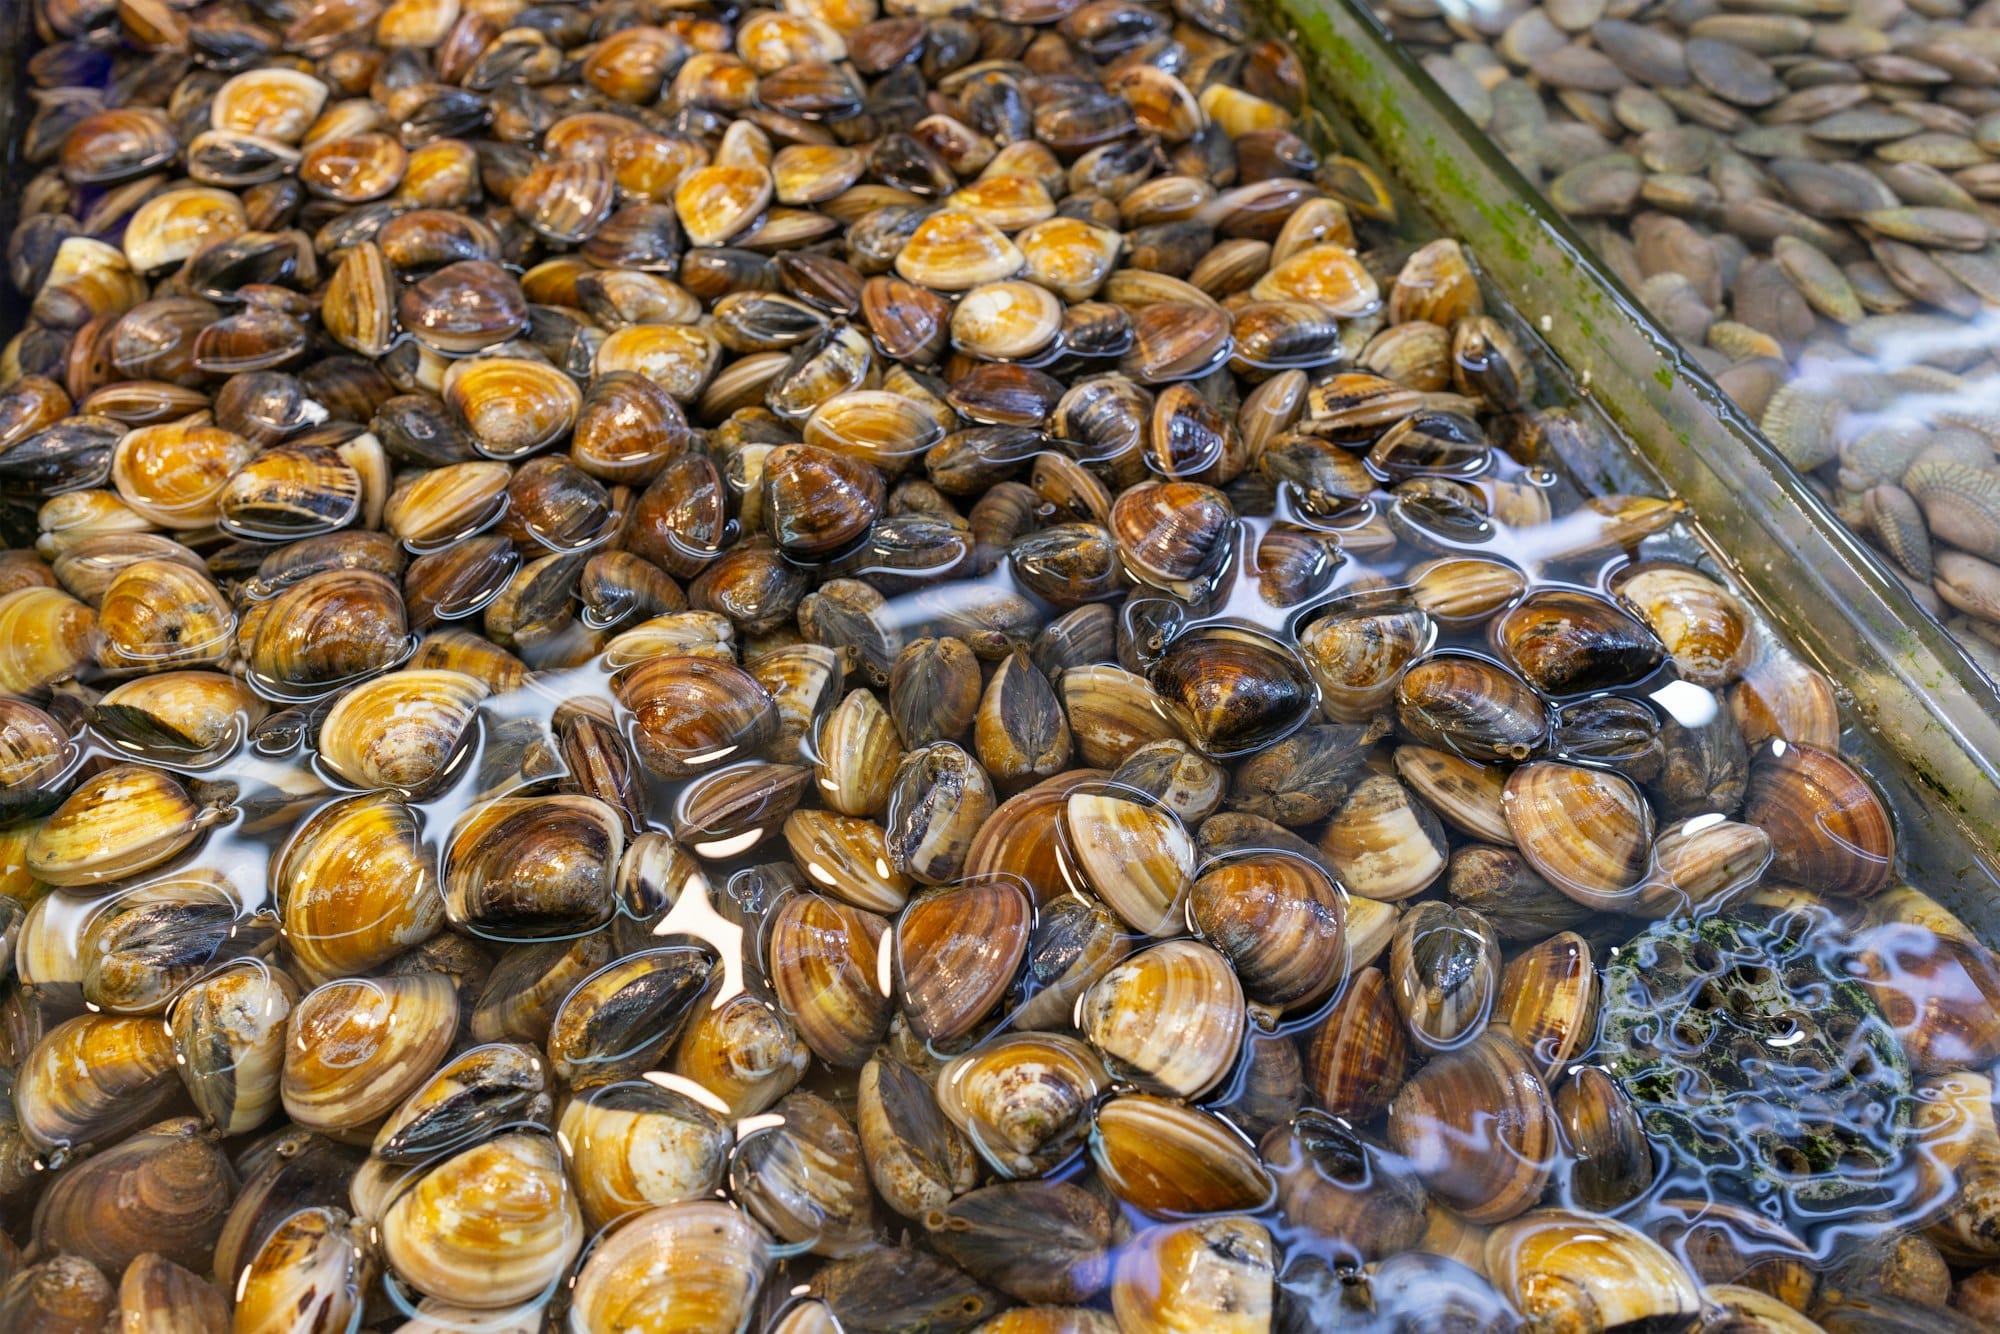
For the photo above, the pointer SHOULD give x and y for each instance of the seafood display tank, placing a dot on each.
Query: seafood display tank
(1802, 197)
(1061, 669)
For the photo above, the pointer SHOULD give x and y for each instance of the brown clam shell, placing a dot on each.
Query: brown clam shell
(956, 953)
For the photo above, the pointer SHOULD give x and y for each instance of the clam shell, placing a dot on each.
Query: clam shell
(355, 1049)
(1548, 1000)
(1137, 857)
(1355, 1056)
(802, 1175)
(1169, 1018)
(623, 1019)
(822, 958)
(89, 1080)
(1478, 1126)
(1280, 921)
(318, 1256)
(1467, 795)
(1167, 1159)
(1036, 1241)
(1444, 972)
(229, 1043)
(692, 714)
(1588, 832)
(444, 1235)
(956, 952)
(1216, 1273)
(1704, 626)
(122, 821)
(917, 1159)
(1023, 1099)
(1828, 827)
(400, 730)
(848, 856)
(533, 867)
(1384, 844)
(634, 1146)
(1554, 1262)
(356, 886)
(699, 1265)
(165, 1190)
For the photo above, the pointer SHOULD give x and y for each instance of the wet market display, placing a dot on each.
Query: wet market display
(1804, 195)
(688, 669)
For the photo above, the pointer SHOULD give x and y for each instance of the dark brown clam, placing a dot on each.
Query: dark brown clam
(463, 307)
(817, 503)
(1829, 829)
(1567, 642)
(694, 714)
(1472, 707)
(1241, 691)
(956, 953)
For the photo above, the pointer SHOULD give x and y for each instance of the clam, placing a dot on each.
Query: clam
(1703, 860)
(698, 1265)
(1036, 1241)
(955, 953)
(1280, 921)
(318, 1256)
(1703, 625)
(164, 1191)
(1189, 784)
(1444, 972)
(1613, 1158)
(848, 856)
(937, 802)
(1467, 795)
(817, 502)
(1470, 707)
(1588, 832)
(822, 958)
(1170, 1018)
(1240, 692)
(802, 1175)
(89, 1080)
(228, 1033)
(355, 887)
(355, 1049)
(467, 1099)
(623, 1019)
(857, 755)
(1567, 642)
(1356, 1054)
(1074, 942)
(634, 1146)
(1019, 731)
(47, 635)
(400, 730)
(1353, 1199)
(1558, 1265)
(533, 866)
(742, 1049)
(1136, 856)
(141, 947)
(917, 1158)
(157, 1293)
(1930, 975)
(1355, 658)
(1112, 712)
(955, 251)
(1548, 1000)
(490, 1226)
(116, 824)
(1212, 1273)
(161, 614)
(1167, 1159)
(1172, 534)
(1478, 1126)
(1828, 828)
(327, 630)
(1023, 1100)
(1383, 842)
(691, 714)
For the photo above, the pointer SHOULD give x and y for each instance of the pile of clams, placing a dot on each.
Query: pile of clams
(1806, 193)
(670, 668)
